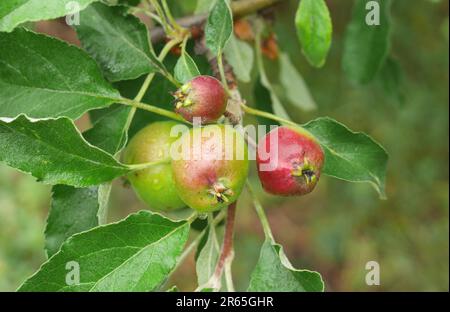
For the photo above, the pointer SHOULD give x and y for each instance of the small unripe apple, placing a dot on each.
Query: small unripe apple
(154, 185)
(213, 169)
(203, 97)
(296, 166)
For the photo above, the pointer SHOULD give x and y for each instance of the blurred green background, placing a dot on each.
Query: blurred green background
(341, 226)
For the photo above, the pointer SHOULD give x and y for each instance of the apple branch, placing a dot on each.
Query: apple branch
(227, 252)
(239, 8)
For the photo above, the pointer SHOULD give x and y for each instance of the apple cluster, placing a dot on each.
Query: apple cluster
(208, 183)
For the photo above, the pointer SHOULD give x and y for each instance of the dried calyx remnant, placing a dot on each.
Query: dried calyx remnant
(221, 192)
(305, 170)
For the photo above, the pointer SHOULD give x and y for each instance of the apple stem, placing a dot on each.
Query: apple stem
(143, 166)
(227, 252)
(148, 80)
(169, 15)
(219, 59)
(257, 112)
(153, 109)
(261, 214)
(159, 10)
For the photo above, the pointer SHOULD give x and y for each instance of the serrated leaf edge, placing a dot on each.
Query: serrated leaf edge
(142, 212)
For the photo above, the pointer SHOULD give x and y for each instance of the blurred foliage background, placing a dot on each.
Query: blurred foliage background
(341, 226)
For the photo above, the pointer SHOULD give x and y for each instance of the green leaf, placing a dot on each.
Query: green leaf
(160, 95)
(203, 6)
(44, 77)
(53, 151)
(366, 46)
(277, 107)
(104, 191)
(135, 254)
(73, 210)
(185, 69)
(273, 272)
(109, 128)
(295, 88)
(207, 258)
(350, 156)
(219, 26)
(314, 30)
(15, 12)
(117, 41)
(262, 102)
(204, 238)
(390, 78)
(130, 2)
(239, 55)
